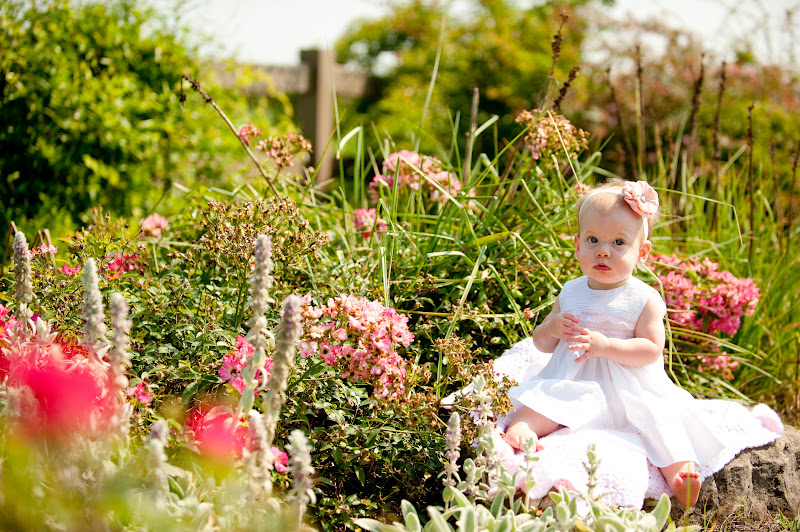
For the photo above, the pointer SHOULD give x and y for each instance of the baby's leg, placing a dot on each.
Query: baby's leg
(684, 482)
(527, 424)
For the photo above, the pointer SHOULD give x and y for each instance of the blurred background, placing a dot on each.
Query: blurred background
(91, 109)
(269, 32)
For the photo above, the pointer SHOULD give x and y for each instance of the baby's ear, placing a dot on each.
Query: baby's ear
(644, 251)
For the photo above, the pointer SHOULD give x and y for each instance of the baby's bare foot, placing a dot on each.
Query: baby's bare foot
(686, 485)
(518, 433)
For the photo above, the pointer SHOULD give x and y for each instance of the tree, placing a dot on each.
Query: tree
(90, 113)
(500, 49)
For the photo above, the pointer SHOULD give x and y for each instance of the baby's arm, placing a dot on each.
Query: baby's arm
(556, 326)
(642, 350)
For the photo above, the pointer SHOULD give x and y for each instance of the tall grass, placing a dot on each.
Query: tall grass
(471, 265)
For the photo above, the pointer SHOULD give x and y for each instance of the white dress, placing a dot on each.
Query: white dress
(636, 418)
(640, 404)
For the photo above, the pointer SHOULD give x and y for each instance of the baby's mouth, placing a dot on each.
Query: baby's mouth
(602, 267)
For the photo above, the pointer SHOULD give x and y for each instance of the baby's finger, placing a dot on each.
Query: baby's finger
(572, 317)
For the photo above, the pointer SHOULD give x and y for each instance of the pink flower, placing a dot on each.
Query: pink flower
(364, 220)
(234, 362)
(279, 459)
(247, 131)
(141, 393)
(328, 353)
(722, 364)
(358, 337)
(70, 270)
(702, 298)
(415, 171)
(641, 197)
(123, 263)
(153, 225)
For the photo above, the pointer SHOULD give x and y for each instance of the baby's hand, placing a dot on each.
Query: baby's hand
(592, 343)
(564, 326)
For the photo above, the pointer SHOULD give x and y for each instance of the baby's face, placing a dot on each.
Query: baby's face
(610, 244)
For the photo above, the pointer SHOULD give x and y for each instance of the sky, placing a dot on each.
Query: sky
(274, 31)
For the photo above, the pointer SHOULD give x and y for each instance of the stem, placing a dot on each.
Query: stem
(196, 86)
(639, 102)
(473, 124)
(793, 183)
(750, 184)
(630, 154)
(698, 89)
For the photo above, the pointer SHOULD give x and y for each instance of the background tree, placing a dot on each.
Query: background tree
(492, 45)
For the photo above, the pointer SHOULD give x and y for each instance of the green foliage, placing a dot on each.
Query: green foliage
(91, 114)
(43, 489)
(187, 291)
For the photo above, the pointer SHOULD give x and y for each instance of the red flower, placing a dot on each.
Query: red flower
(216, 433)
(69, 395)
(70, 270)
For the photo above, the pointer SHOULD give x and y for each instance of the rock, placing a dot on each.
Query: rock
(763, 481)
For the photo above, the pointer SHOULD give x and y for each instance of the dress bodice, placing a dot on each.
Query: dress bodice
(613, 312)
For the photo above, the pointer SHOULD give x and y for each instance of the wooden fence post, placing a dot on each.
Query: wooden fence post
(315, 109)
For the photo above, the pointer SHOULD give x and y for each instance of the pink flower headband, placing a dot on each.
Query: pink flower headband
(639, 196)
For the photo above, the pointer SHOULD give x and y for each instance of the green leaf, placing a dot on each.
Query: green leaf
(469, 520)
(437, 522)
(190, 390)
(376, 526)
(337, 455)
(488, 239)
(497, 504)
(410, 516)
(360, 474)
(661, 511)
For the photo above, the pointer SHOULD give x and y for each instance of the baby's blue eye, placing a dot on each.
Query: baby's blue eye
(619, 242)
(593, 240)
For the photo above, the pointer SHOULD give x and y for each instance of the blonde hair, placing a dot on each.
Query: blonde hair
(607, 201)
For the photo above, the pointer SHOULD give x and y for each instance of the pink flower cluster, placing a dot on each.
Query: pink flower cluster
(551, 134)
(702, 297)
(141, 392)
(122, 263)
(358, 337)
(153, 225)
(247, 131)
(399, 165)
(283, 149)
(364, 220)
(234, 363)
(722, 364)
(44, 249)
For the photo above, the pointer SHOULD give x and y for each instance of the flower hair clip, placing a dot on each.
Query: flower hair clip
(641, 197)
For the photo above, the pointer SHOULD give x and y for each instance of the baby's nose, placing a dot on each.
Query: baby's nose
(602, 251)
